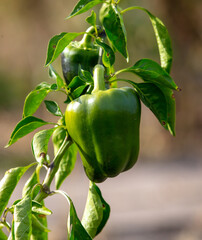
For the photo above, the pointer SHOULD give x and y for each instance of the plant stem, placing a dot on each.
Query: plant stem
(52, 170)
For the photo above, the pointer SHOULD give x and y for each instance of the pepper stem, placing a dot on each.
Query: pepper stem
(86, 41)
(98, 77)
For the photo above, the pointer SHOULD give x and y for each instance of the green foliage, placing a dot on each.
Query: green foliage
(155, 88)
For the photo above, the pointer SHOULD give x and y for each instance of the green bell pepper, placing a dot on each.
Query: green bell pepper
(105, 127)
(84, 53)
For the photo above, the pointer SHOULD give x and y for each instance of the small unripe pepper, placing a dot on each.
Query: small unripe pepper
(105, 127)
(84, 53)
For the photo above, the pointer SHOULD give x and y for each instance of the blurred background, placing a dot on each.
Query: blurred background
(161, 197)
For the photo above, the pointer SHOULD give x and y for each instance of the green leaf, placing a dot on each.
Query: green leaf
(30, 183)
(159, 100)
(85, 76)
(39, 227)
(112, 21)
(171, 109)
(69, 158)
(108, 57)
(40, 144)
(53, 108)
(162, 38)
(83, 6)
(151, 71)
(58, 43)
(43, 85)
(24, 127)
(78, 91)
(66, 165)
(22, 219)
(91, 19)
(53, 74)
(96, 212)
(3, 235)
(34, 100)
(8, 184)
(40, 209)
(75, 229)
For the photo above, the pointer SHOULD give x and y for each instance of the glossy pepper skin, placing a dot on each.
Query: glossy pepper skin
(105, 128)
(84, 53)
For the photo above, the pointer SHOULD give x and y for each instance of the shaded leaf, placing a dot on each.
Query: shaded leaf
(112, 21)
(53, 108)
(170, 100)
(24, 127)
(53, 74)
(108, 57)
(83, 6)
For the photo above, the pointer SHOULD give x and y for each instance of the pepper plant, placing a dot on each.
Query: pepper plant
(101, 121)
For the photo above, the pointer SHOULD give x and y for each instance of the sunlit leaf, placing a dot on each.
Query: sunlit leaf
(22, 219)
(151, 71)
(58, 43)
(8, 184)
(24, 127)
(83, 6)
(96, 212)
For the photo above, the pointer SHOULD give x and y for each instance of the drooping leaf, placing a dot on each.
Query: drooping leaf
(58, 43)
(40, 208)
(83, 6)
(66, 165)
(22, 219)
(151, 71)
(39, 227)
(24, 127)
(53, 74)
(69, 158)
(96, 212)
(8, 184)
(34, 100)
(75, 229)
(108, 57)
(112, 20)
(91, 19)
(159, 100)
(30, 183)
(170, 100)
(40, 144)
(162, 38)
